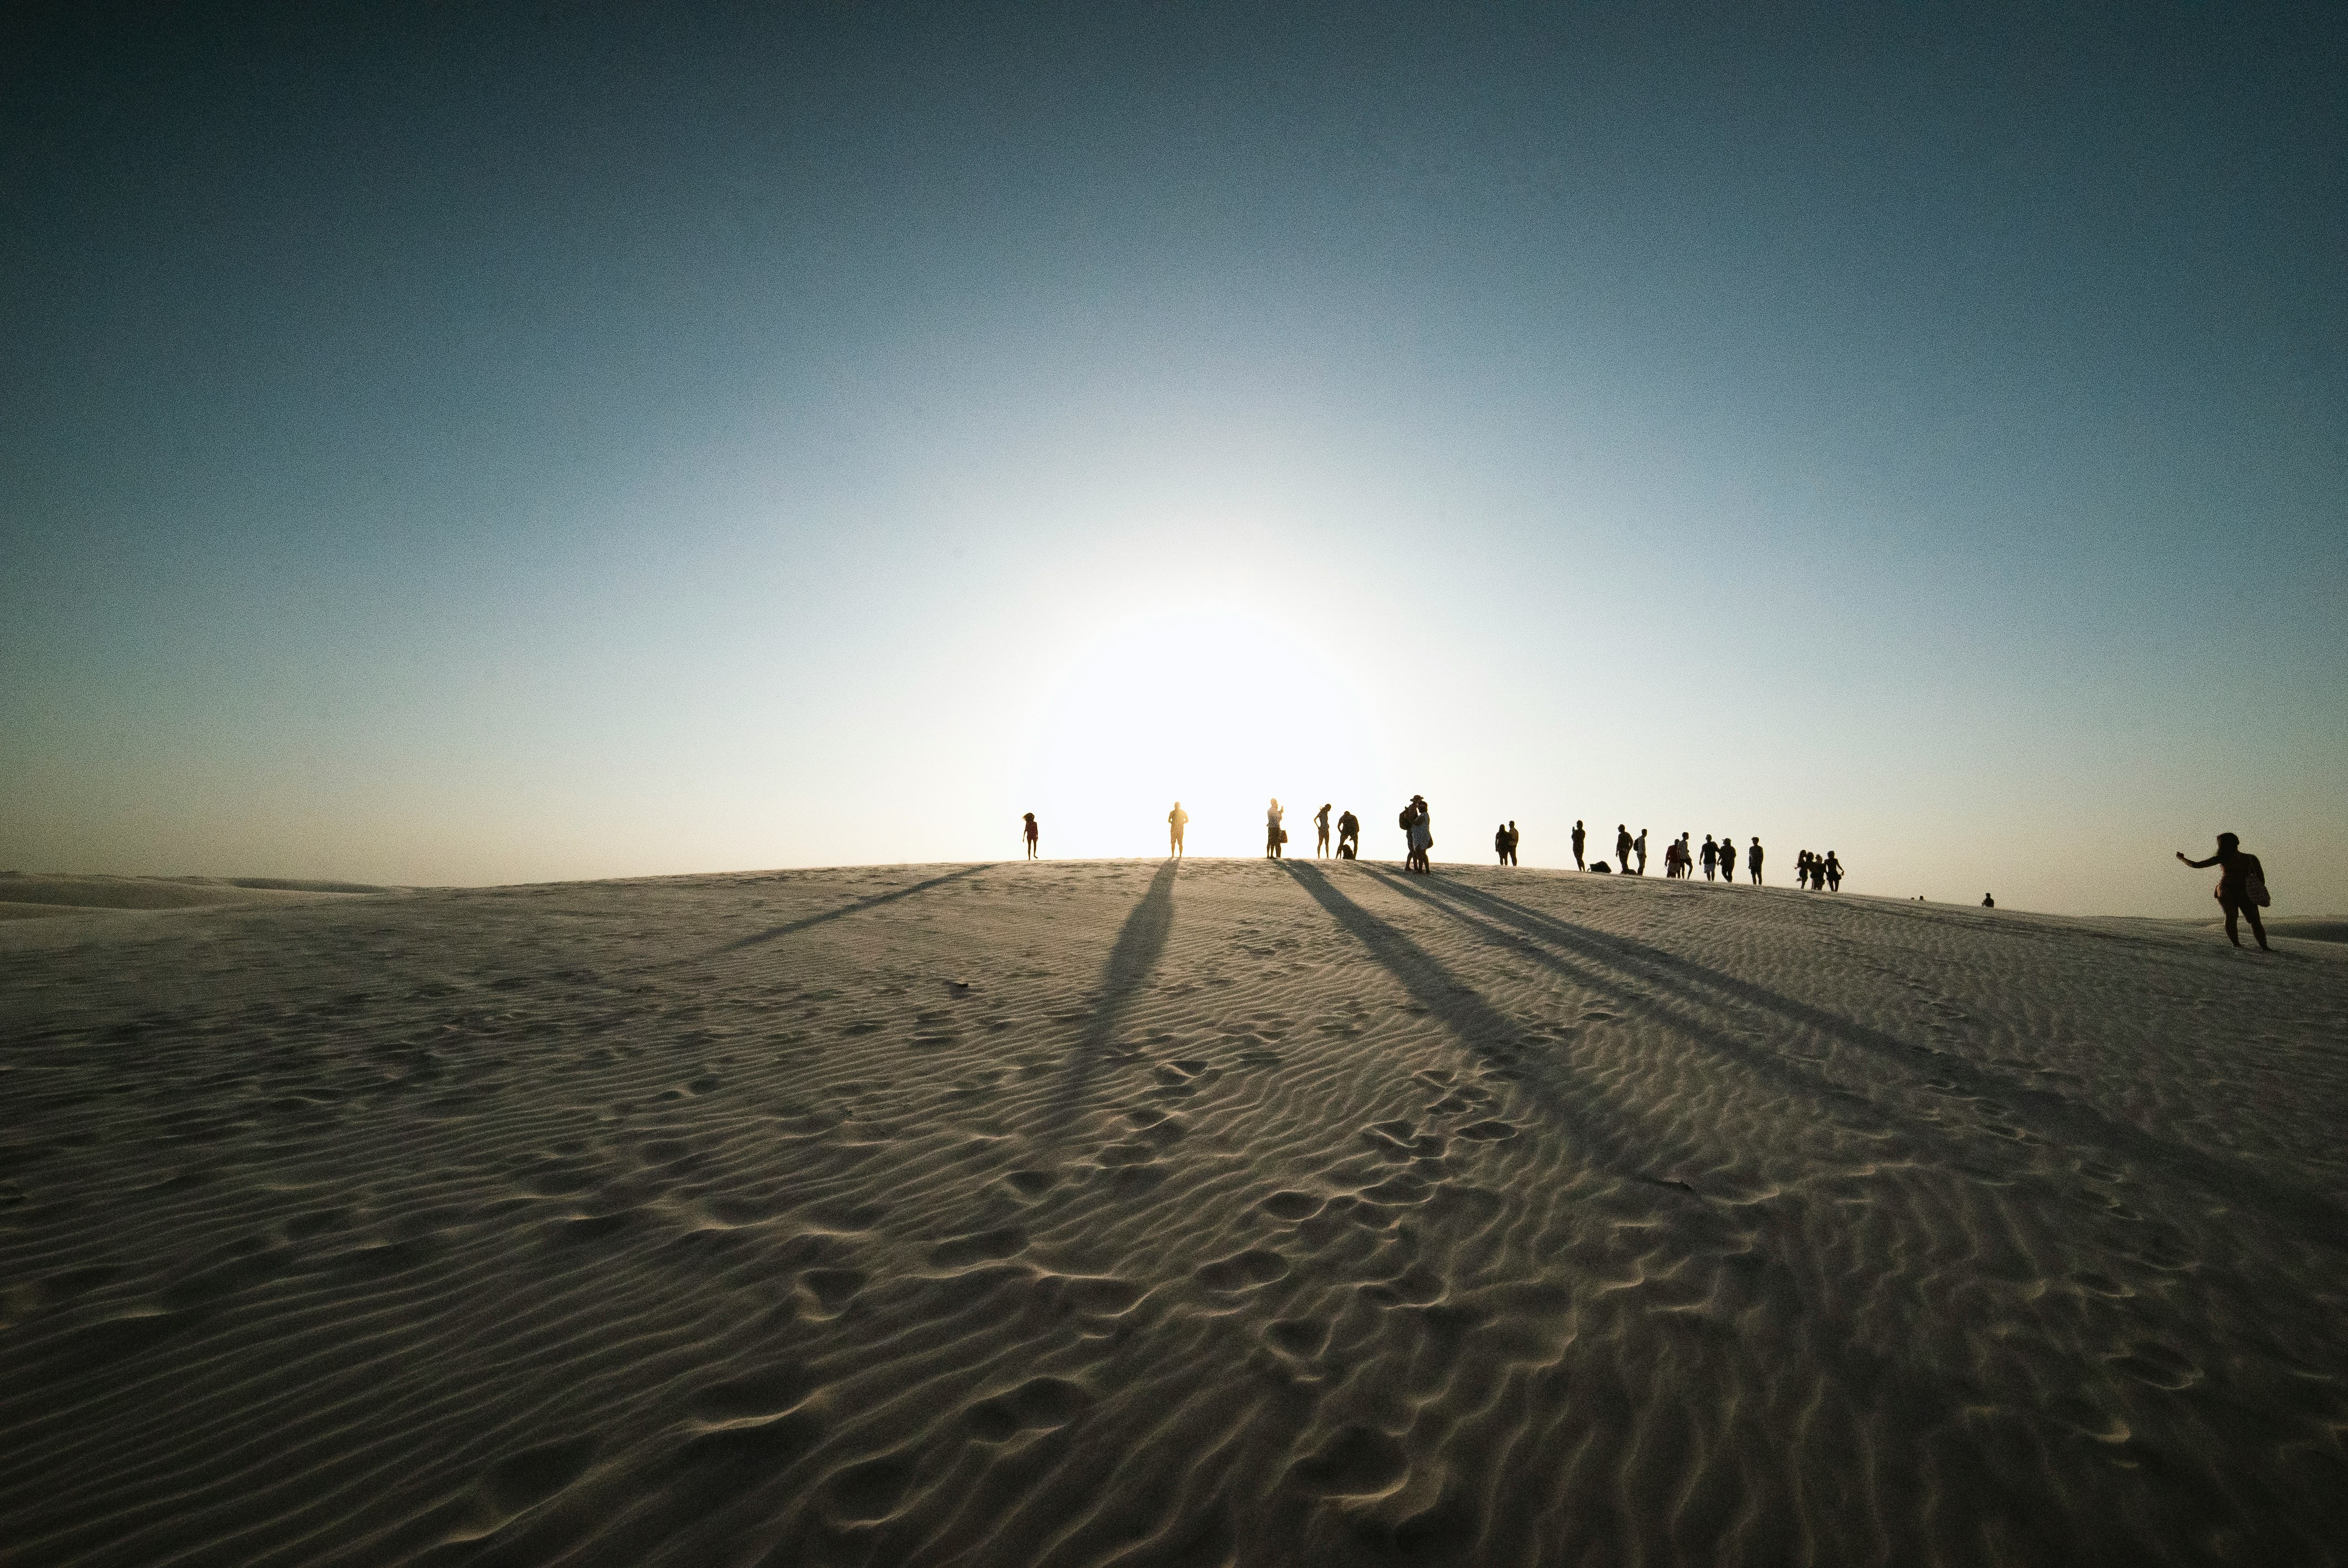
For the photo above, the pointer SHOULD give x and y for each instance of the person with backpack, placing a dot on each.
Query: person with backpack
(2241, 887)
(1419, 833)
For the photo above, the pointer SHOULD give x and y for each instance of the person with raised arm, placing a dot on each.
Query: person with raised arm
(2241, 887)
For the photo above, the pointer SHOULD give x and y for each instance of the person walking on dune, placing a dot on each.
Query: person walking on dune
(1834, 873)
(1321, 821)
(2241, 887)
(1031, 833)
(1622, 846)
(1274, 836)
(1581, 837)
(1175, 820)
(1752, 860)
(1639, 845)
(1710, 854)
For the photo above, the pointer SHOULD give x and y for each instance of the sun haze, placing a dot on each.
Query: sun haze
(493, 446)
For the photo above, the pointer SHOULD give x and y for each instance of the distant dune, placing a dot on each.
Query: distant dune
(23, 894)
(1100, 1212)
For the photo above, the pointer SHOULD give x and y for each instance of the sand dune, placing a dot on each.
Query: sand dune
(1111, 1214)
(27, 896)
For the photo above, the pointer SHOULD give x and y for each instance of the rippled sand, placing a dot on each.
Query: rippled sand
(1103, 1213)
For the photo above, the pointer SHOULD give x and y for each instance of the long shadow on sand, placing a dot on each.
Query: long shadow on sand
(2064, 1120)
(874, 902)
(1483, 1029)
(1140, 942)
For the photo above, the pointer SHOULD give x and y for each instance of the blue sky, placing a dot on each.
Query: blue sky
(492, 445)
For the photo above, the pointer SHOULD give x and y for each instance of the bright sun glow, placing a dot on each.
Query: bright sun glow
(1221, 710)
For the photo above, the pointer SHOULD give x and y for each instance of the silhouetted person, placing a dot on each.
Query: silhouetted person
(1321, 821)
(1753, 861)
(1639, 844)
(1349, 837)
(1029, 819)
(2241, 886)
(1990, 903)
(1274, 836)
(1622, 846)
(1710, 855)
(1513, 837)
(1420, 822)
(1834, 873)
(1581, 837)
(1175, 820)
(1802, 869)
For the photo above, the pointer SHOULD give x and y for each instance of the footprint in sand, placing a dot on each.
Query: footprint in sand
(515, 1485)
(590, 1228)
(1291, 1205)
(1357, 1462)
(1414, 1287)
(1302, 1338)
(832, 1288)
(1242, 1271)
(756, 1397)
(1039, 1404)
(2158, 1366)
(985, 1247)
(864, 1493)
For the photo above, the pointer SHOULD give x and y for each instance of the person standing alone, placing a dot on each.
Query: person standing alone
(1321, 821)
(1581, 837)
(2241, 887)
(1175, 820)
(1030, 832)
(1752, 860)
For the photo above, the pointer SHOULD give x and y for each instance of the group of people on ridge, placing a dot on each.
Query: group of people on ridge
(2241, 881)
(1822, 872)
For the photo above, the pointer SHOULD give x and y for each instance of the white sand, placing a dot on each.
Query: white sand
(1088, 1212)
